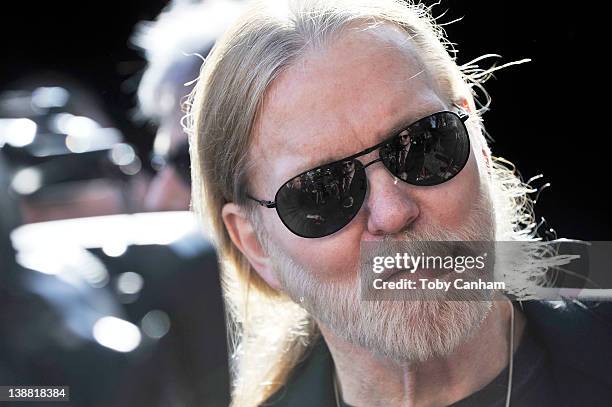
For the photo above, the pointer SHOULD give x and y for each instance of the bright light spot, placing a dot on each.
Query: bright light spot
(116, 334)
(39, 261)
(80, 131)
(84, 134)
(78, 144)
(18, 132)
(114, 248)
(27, 181)
(132, 168)
(161, 228)
(81, 126)
(52, 96)
(155, 324)
(109, 136)
(129, 283)
(161, 145)
(71, 263)
(122, 154)
(95, 274)
(59, 122)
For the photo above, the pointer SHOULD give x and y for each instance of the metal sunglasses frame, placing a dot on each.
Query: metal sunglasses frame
(462, 115)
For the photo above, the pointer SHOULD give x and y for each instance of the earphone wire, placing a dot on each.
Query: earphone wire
(511, 354)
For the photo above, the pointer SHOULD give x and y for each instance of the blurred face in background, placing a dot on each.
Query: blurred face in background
(170, 189)
(175, 45)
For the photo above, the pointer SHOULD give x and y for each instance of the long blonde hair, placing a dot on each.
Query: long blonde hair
(269, 333)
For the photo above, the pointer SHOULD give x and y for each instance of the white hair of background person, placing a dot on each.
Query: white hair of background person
(175, 45)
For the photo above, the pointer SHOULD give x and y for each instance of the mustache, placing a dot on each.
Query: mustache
(432, 240)
(412, 252)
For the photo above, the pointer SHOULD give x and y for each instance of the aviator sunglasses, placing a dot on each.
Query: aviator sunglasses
(324, 199)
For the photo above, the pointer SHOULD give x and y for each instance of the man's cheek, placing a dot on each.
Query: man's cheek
(459, 196)
(327, 264)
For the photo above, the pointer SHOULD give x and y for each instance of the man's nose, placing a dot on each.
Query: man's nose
(391, 208)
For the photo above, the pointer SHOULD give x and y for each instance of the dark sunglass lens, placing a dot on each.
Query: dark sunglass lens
(324, 200)
(430, 151)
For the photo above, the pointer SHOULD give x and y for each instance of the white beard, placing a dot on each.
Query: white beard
(405, 331)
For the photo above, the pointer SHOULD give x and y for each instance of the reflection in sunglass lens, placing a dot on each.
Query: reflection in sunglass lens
(324, 200)
(429, 152)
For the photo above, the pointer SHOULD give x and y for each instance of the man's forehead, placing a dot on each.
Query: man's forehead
(338, 101)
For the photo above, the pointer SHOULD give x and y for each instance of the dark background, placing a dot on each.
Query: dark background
(544, 114)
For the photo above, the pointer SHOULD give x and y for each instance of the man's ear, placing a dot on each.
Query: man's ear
(464, 104)
(242, 233)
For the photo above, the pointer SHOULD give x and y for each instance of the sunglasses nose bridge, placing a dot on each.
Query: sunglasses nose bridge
(388, 209)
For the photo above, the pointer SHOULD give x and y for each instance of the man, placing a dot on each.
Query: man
(174, 46)
(297, 89)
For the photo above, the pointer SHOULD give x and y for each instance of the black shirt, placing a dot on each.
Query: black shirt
(563, 360)
(532, 382)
